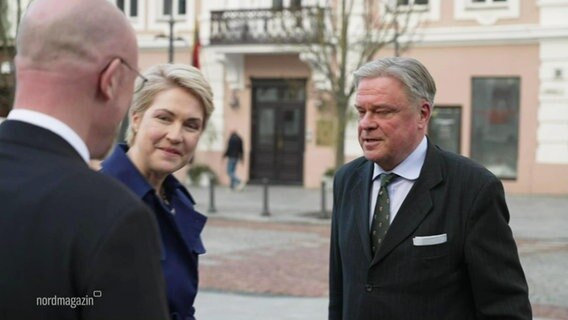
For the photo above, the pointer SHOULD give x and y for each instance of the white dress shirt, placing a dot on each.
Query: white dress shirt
(408, 171)
(54, 125)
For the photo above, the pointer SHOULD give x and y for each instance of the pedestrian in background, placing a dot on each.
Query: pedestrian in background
(75, 243)
(417, 232)
(234, 154)
(169, 113)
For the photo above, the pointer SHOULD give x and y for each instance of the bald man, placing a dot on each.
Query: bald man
(74, 244)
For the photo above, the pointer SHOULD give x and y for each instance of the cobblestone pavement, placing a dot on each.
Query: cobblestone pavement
(273, 265)
(266, 258)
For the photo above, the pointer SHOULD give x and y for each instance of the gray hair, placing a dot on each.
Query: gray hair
(413, 74)
(167, 76)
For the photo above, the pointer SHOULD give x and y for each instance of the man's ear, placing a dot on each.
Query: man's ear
(425, 114)
(109, 80)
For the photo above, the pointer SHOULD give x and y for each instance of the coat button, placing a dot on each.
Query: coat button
(368, 287)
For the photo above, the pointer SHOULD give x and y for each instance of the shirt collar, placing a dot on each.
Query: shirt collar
(410, 167)
(121, 167)
(54, 125)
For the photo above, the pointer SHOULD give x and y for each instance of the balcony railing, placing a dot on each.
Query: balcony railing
(266, 26)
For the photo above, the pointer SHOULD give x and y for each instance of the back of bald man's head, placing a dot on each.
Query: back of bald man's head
(62, 35)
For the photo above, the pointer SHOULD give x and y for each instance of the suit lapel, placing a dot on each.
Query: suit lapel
(415, 207)
(360, 195)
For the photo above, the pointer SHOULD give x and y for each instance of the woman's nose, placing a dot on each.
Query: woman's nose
(174, 133)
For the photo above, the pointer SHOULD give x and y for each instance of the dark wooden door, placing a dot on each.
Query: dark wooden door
(278, 129)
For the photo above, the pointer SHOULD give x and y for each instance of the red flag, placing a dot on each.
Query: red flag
(196, 46)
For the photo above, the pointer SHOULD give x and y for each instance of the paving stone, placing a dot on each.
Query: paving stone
(277, 267)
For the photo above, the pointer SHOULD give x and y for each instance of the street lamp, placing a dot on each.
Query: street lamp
(171, 48)
(171, 45)
(171, 39)
(170, 36)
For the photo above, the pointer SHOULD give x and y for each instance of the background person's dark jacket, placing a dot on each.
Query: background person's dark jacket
(234, 147)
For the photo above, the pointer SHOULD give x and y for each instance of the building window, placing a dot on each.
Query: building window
(415, 11)
(182, 10)
(277, 4)
(487, 3)
(412, 2)
(413, 5)
(129, 7)
(295, 4)
(179, 7)
(495, 124)
(445, 128)
(487, 12)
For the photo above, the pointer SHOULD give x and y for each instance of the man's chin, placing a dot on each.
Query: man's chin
(371, 156)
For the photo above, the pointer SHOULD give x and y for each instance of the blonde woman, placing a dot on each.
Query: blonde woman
(171, 106)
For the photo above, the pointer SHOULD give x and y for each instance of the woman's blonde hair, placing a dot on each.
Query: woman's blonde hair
(168, 76)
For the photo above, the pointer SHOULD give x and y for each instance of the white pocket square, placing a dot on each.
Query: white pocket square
(430, 240)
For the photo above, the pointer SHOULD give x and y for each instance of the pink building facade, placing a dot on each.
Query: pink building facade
(501, 68)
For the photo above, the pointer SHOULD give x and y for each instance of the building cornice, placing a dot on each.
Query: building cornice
(489, 35)
(257, 49)
(464, 36)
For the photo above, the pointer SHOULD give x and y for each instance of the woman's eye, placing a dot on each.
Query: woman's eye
(192, 126)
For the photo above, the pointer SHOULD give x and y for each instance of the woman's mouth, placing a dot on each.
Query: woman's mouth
(171, 151)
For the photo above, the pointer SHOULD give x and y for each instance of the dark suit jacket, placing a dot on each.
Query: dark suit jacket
(67, 232)
(476, 274)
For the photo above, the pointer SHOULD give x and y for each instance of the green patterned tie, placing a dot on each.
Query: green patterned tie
(380, 223)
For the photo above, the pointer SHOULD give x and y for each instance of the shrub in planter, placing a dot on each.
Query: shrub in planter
(329, 172)
(328, 177)
(198, 174)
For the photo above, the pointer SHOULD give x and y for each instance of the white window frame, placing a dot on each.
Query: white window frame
(126, 9)
(137, 21)
(411, 5)
(175, 9)
(158, 22)
(487, 13)
(488, 4)
(421, 12)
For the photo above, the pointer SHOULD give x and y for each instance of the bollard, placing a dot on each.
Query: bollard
(265, 211)
(211, 208)
(323, 202)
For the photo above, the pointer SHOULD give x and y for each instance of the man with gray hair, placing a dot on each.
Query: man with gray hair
(75, 243)
(417, 232)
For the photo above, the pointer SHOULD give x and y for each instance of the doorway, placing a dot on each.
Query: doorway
(278, 130)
